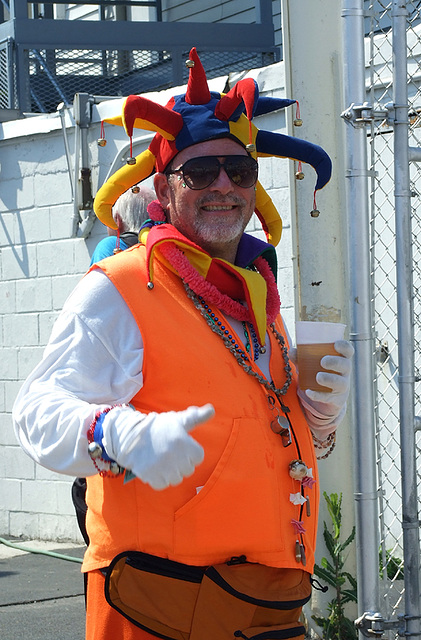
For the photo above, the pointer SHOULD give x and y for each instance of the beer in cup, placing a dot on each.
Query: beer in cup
(315, 340)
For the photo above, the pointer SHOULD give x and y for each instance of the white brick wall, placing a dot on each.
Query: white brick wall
(39, 266)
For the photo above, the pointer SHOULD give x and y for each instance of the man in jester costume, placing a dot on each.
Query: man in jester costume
(167, 382)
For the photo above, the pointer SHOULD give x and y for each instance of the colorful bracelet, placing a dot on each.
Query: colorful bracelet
(329, 443)
(96, 449)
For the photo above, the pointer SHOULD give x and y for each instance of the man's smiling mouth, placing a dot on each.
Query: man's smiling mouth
(219, 208)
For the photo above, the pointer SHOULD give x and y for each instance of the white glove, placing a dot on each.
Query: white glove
(156, 447)
(331, 403)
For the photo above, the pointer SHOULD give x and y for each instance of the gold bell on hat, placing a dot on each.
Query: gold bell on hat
(135, 189)
(251, 148)
(189, 63)
(299, 175)
(131, 160)
(101, 142)
(298, 122)
(315, 213)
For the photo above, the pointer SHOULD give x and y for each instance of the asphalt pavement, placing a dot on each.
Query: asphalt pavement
(41, 596)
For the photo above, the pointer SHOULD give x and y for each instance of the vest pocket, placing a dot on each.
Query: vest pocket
(238, 509)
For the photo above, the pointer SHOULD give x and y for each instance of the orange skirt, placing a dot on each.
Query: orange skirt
(102, 621)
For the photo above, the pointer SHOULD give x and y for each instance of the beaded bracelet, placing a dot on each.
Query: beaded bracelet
(330, 442)
(96, 449)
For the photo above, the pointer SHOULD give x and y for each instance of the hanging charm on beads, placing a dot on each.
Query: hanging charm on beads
(298, 469)
(280, 424)
(300, 554)
(299, 472)
(300, 499)
(297, 498)
(303, 555)
(298, 526)
(308, 481)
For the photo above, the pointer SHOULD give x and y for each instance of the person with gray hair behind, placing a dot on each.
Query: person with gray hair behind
(129, 213)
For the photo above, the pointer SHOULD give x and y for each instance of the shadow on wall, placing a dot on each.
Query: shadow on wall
(12, 172)
(21, 253)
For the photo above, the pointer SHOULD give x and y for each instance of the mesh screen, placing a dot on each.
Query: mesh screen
(5, 98)
(56, 75)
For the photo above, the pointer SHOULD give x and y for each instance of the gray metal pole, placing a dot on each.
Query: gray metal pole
(362, 333)
(404, 267)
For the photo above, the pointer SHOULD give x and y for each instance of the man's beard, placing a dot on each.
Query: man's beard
(221, 230)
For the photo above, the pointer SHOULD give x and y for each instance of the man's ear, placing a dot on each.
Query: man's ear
(162, 189)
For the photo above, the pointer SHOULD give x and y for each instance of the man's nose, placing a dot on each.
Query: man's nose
(222, 183)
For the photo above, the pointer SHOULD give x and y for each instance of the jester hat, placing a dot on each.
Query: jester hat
(200, 115)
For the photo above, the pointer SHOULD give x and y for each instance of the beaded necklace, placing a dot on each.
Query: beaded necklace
(255, 348)
(237, 351)
(197, 289)
(281, 424)
(196, 285)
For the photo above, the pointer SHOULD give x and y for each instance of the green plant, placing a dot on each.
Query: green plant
(393, 565)
(336, 626)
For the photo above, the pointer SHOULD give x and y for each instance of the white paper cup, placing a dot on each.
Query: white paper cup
(315, 340)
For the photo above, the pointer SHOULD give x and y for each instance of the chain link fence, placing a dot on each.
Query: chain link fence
(379, 84)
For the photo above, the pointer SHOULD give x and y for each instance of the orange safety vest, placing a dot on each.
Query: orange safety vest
(238, 501)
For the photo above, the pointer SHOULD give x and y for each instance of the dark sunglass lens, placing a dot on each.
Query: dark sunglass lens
(242, 170)
(199, 173)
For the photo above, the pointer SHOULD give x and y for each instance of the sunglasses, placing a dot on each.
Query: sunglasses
(199, 173)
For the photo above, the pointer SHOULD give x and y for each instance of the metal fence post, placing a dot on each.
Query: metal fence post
(405, 292)
(362, 333)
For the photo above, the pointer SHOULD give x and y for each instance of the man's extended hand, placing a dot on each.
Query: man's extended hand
(331, 402)
(156, 447)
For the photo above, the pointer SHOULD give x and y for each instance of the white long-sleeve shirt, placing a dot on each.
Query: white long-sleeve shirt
(93, 360)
